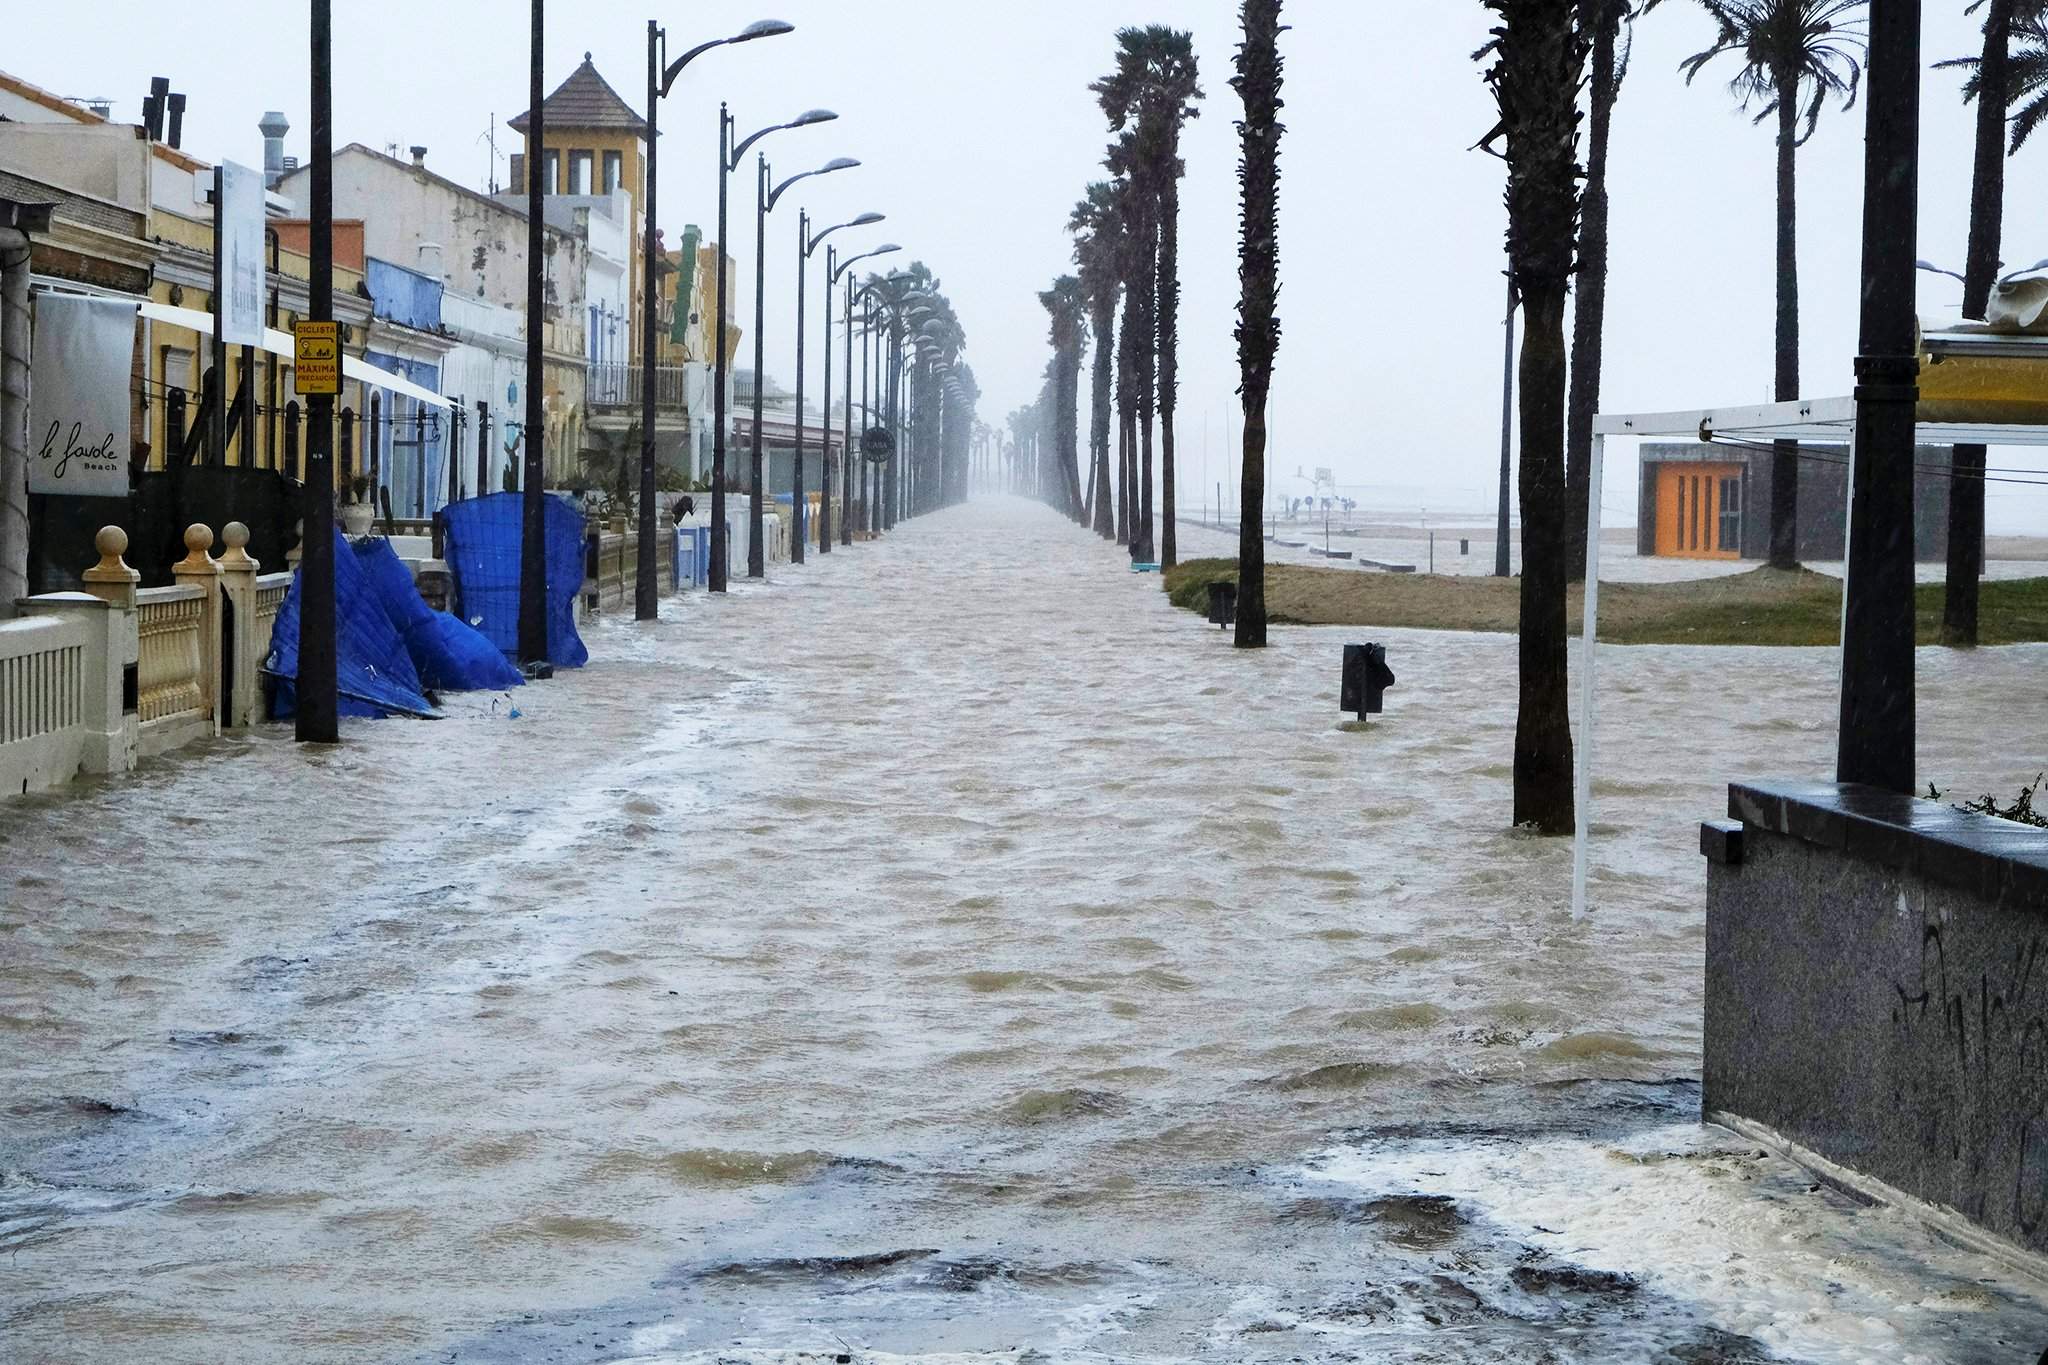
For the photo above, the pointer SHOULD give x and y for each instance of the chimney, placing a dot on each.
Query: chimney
(419, 156)
(104, 108)
(153, 107)
(176, 135)
(273, 126)
(291, 163)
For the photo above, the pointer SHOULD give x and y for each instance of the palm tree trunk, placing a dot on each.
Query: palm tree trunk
(1148, 365)
(1069, 401)
(1543, 738)
(1258, 82)
(1987, 209)
(1589, 313)
(1127, 424)
(1535, 79)
(1099, 415)
(1785, 454)
(1169, 351)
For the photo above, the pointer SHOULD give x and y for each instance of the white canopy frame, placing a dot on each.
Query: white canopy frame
(281, 344)
(1830, 421)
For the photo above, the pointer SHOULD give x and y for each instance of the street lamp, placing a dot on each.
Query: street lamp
(834, 268)
(765, 200)
(889, 382)
(728, 162)
(661, 78)
(807, 243)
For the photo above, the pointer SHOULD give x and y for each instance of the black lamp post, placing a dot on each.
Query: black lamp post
(661, 78)
(810, 245)
(316, 720)
(765, 200)
(533, 569)
(876, 291)
(728, 162)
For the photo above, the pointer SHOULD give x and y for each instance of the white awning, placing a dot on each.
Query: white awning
(280, 344)
(1830, 420)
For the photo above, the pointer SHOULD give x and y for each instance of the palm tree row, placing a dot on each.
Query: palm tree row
(1127, 253)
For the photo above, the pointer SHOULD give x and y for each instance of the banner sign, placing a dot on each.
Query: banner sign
(316, 366)
(241, 262)
(84, 358)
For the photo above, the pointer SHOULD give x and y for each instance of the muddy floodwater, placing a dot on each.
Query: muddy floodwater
(945, 952)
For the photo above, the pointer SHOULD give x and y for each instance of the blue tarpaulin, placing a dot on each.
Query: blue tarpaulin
(483, 538)
(373, 669)
(448, 655)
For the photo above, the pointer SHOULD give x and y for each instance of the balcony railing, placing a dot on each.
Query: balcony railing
(619, 386)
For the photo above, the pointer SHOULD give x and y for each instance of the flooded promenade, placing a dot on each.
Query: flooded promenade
(947, 951)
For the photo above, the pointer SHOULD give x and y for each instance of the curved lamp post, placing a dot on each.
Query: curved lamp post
(807, 243)
(764, 204)
(847, 464)
(728, 162)
(661, 78)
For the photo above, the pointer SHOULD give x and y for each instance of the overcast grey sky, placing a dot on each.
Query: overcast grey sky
(978, 133)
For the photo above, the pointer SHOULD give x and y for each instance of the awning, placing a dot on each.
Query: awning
(280, 344)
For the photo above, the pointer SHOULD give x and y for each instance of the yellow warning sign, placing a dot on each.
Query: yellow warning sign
(318, 364)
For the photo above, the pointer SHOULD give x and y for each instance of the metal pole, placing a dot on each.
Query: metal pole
(217, 400)
(14, 396)
(825, 461)
(533, 569)
(1583, 806)
(1507, 435)
(719, 548)
(757, 553)
(316, 720)
(1877, 735)
(646, 604)
(796, 505)
(846, 451)
(890, 479)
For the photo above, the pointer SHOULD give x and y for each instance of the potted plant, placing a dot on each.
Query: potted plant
(357, 511)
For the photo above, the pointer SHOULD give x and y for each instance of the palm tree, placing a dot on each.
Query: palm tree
(1795, 55)
(1257, 83)
(1601, 22)
(1148, 98)
(1068, 308)
(1151, 96)
(1128, 253)
(1999, 79)
(1095, 224)
(1538, 56)
(1127, 161)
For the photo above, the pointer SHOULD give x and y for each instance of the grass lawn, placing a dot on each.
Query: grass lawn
(1761, 607)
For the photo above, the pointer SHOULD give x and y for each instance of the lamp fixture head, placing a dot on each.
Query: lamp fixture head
(762, 28)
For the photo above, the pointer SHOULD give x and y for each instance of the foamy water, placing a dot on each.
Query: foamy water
(947, 951)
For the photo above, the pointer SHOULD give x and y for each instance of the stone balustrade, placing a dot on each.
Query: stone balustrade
(93, 681)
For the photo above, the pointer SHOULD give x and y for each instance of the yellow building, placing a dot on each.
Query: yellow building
(595, 146)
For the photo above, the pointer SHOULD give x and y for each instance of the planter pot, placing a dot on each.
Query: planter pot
(356, 518)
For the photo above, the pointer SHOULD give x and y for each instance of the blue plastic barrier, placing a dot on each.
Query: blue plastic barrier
(373, 669)
(483, 539)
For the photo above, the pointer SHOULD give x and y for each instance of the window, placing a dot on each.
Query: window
(1731, 515)
(579, 172)
(551, 178)
(614, 170)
